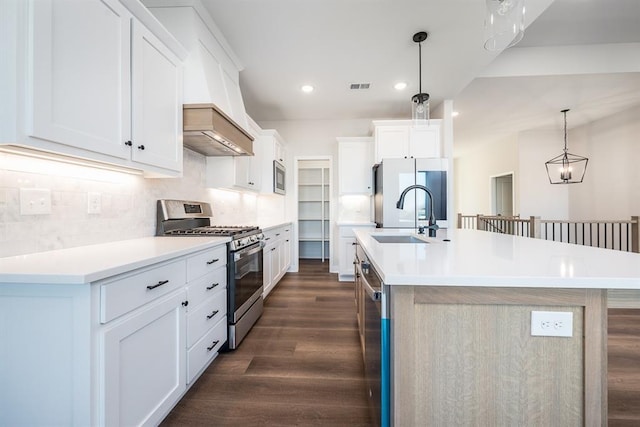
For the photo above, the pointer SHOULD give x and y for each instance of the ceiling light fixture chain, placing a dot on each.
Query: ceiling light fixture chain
(566, 168)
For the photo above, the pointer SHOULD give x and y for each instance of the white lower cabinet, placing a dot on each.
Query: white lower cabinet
(276, 256)
(347, 249)
(120, 351)
(144, 359)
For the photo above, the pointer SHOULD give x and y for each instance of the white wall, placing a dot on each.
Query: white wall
(310, 139)
(473, 172)
(611, 187)
(128, 203)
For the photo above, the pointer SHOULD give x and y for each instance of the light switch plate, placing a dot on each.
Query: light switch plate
(552, 323)
(94, 203)
(35, 201)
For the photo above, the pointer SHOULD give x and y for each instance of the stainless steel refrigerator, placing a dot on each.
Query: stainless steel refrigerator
(392, 176)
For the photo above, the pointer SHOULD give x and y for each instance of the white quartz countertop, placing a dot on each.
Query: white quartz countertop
(270, 226)
(481, 258)
(85, 264)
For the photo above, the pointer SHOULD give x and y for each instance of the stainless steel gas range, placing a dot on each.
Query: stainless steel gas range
(244, 259)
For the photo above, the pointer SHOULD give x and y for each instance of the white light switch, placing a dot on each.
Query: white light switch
(35, 201)
(94, 203)
(552, 323)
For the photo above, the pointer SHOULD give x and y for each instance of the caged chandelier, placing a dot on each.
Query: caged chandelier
(420, 101)
(566, 168)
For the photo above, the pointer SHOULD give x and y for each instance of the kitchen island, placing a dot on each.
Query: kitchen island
(459, 314)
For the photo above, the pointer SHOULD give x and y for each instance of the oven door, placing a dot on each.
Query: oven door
(245, 280)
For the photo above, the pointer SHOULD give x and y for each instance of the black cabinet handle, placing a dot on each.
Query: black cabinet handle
(212, 261)
(213, 285)
(353, 244)
(212, 314)
(140, 147)
(185, 303)
(273, 249)
(160, 283)
(213, 344)
(128, 143)
(277, 234)
(267, 238)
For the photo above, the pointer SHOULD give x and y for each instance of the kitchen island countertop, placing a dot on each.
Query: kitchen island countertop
(485, 259)
(85, 264)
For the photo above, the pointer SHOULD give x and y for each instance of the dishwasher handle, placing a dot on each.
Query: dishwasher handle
(375, 295)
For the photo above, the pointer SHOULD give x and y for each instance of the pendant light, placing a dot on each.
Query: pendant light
(566, 168)
(503, 24)
(420, 101)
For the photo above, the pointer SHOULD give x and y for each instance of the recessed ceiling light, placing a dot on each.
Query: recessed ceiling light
(400, 86)
(307, 88)
(455, 114)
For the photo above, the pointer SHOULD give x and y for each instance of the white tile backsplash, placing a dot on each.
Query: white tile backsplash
(128, 203)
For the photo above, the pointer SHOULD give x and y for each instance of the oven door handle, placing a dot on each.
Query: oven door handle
(248, 251)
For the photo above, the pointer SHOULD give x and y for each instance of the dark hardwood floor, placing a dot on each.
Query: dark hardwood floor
(301, 364)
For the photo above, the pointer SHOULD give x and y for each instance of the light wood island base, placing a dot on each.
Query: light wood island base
(465, 356)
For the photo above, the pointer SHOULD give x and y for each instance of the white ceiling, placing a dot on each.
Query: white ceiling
(330, 44)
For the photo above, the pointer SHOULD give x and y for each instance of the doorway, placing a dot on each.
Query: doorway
(314, 209)
(502, 194)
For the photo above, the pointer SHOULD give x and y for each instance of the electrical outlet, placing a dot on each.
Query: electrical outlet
(552, 323)
(35, 201)
(94, 203)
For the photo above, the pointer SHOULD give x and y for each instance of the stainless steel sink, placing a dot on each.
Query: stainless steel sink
(398, 239)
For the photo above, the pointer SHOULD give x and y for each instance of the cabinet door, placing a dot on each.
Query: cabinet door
(347, 254)
(267, 275)
(80, 68)
(157, 102)
(392, 142)
(275, 262)
(144, 363)
(424, 142)
(355, 163)
(286, 253)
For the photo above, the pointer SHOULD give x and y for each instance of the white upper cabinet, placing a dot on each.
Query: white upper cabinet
(400, 139)
(103, 82)
(157, 90)
(355, 160)
(268, 147)
(81, 75)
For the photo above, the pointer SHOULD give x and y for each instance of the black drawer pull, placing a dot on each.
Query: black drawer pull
(267, 238)
(273, 249)
(185, 303)
(160, 283)
(277, 234)
(213, 344)
(140, 147)
(128, 143)
(212, 261)
(213, 285)
(213, 314)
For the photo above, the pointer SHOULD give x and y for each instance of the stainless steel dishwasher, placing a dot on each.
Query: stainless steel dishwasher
(376, 342)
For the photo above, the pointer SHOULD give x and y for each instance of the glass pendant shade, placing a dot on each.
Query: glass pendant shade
(420, 108)
(566, 168)
(504, 23)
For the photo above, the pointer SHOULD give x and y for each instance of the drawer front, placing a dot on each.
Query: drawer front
(200, 289)
(205, 349)
(206, 261)
(125, 294)
(272, 235)
(207, 314)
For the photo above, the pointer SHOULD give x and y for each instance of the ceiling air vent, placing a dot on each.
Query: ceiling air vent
(355, 86)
